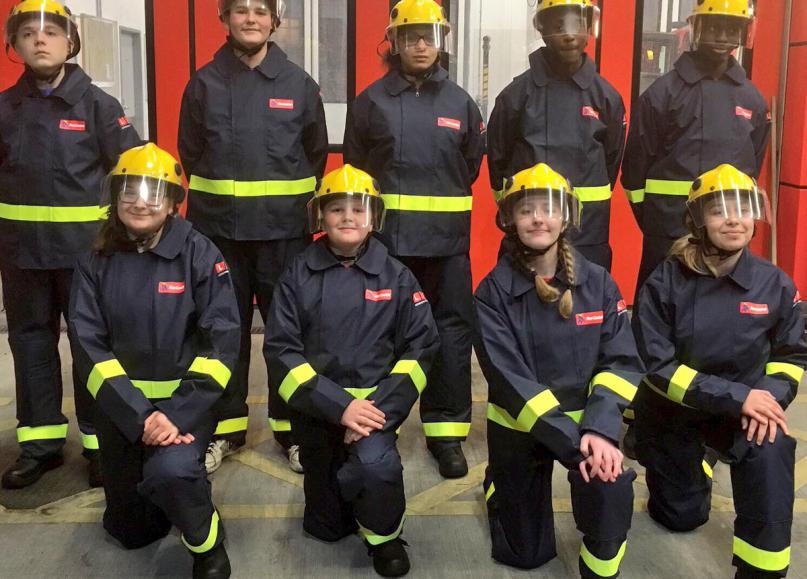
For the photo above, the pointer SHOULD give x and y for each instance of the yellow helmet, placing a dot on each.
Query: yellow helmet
(546, 4)
(411, 20)
(147, 172)
(555, 195)
(737, 17)
(579, 11)
(348, 182)
(726, 191)
(738, 8)
(43, 12)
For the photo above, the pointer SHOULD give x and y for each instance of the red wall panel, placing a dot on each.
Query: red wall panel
(9, 71)
(794, 150)
(372, 17)
(210, 32)
(798, 32)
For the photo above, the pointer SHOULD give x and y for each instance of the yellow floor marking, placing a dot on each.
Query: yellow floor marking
(800, 478)
(800, 399)
(268, 466)
(9, 424)
(257, 399)
(5, 401)
(481, 397)
(287, 511)
(79, 501)
(258, 437)
(799, 434)
(446, 490)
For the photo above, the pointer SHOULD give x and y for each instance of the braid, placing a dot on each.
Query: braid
(546, 293)
(566, 303)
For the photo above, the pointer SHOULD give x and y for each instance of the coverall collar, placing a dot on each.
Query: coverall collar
(371, 261)
(743, 274)
(688, 70)
(520, 284)
(173, 238)
(542, 72)
(71, 90)
(395, 82)
(270, 67)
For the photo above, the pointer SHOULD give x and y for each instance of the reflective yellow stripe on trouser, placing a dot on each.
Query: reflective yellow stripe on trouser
(279, 425)
(376, 540)
(760, 558)
(589, 194)
(34, 433)
(446, 429)
(602, 567)
(89, 441)
(666, 187)
(231, 425)
(393, 202)
(210, 542)
(41, 213)
(228, 187)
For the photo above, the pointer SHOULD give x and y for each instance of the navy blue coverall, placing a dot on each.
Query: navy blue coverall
(55, 150)
(577, 126)
(425, 147)
(156, 331)
(337, 334)
(254, 142)
(685, 124)
(550, 381)
(707, 342)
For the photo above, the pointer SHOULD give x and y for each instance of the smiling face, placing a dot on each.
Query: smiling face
(250, 25)
(347, 222)
(538, 226)
(140, 219)
(728, 228)
(718, 36)
(44, 46)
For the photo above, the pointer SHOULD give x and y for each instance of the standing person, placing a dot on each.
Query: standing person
(253, 139)
(350, 343)
(702, 113)
(562, 366)
(154, 317)
(723, 340)
(563, 113)
(422, 137)
(59, 136)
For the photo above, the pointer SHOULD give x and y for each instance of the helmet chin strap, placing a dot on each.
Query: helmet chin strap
(248, 52)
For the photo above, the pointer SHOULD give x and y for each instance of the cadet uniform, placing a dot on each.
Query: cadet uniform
(254, 143)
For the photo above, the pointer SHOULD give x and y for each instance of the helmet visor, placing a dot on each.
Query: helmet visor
(130, 189)
(720, 32)
(348, 210)
(568, 20)
(731, 204)
(411, 35)
(540, 205)
(28, 26)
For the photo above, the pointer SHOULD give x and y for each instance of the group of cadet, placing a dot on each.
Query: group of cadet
(363, 280)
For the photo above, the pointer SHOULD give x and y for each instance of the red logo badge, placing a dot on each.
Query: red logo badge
(284, 104)
(744, 113)
(590, 318)
(221, 268)
(172, 287)
(419, 298)
(449, 123)
(752, 309)
(621, 306)
(383, 295)
(483, 127)
(66, 125)
(590, 112)
(797, 297)
(123, 122)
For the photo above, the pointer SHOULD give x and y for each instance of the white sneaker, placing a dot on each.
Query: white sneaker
(294, 459)
(217, 451)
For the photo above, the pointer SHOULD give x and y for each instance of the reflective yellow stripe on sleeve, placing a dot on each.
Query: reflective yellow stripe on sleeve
(361, 393)
(33, 433)
(667, 187)
(213, 368)
(760, 558)
(228, 187)
(635, 195)
(615, 383)
(296, 376)
(103, 371)
(490, 492)
(393, 202)
(210, 542)
(680, 382)
(413, 368)
(602, 567)
(535, 408)
(41, 213)
(588, 194)
(501, 417)
(792, 371)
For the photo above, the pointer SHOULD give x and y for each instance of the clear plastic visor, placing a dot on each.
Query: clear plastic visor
(539, 205)
(261, 7)
(730, 204)
(720, 32)
(352, 210)
(129, 189)
(573, 20)
(411, 35)
(28, 26)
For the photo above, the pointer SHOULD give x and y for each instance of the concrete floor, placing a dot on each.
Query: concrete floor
(53, 530)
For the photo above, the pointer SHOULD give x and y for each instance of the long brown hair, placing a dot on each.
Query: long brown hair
(546, 293)
(690, 249)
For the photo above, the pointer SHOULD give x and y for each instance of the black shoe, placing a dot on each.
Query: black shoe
(450, 458)
(26, 471)
(214, 564)
(390, 558)
(629, 442)
(95, 476)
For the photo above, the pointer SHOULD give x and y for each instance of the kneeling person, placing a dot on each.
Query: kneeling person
(350, 342)
(155, 319)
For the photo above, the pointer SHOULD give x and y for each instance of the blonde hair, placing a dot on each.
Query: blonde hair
(546, 293)
(689, 250)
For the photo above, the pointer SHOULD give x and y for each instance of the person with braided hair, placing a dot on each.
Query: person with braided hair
(562, 366)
